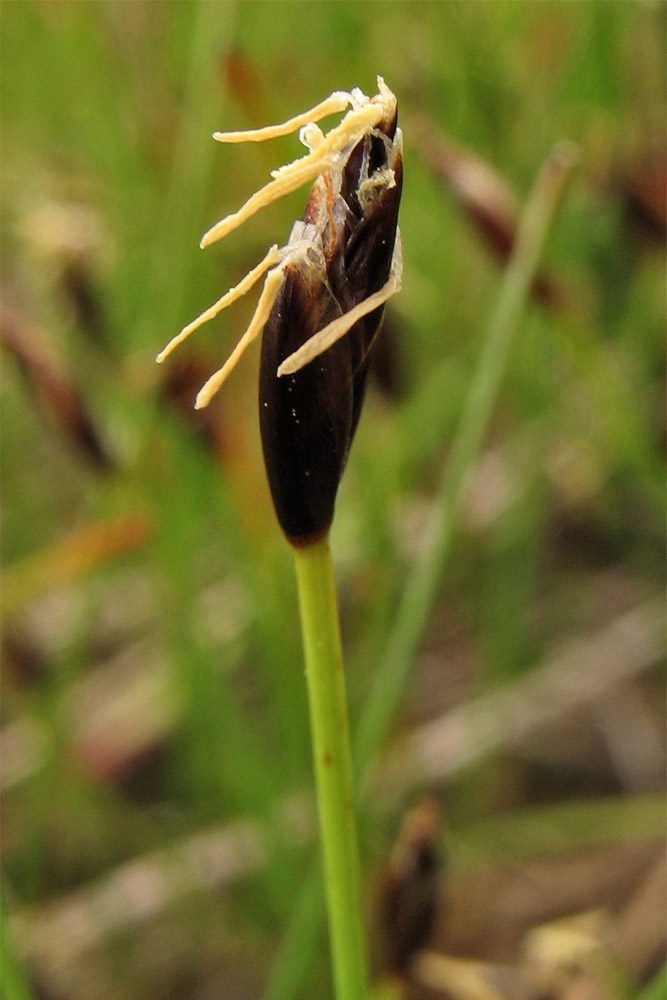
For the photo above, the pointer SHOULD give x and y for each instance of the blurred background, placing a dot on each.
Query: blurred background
(158, 828)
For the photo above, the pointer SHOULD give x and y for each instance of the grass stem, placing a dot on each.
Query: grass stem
(333, 766)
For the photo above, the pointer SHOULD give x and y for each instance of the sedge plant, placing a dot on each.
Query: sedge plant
(320, 310)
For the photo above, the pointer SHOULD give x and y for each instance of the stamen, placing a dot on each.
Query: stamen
(293, 175)
(272, 285)
(338, 101)
(274, 256)
(328, 335)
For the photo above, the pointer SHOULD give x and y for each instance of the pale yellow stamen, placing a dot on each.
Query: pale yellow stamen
(293, 175)
(328, 335)
(272, 285)
(274, 256)
(336, 102)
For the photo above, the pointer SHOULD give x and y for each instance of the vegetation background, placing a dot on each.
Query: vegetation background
(157, 815)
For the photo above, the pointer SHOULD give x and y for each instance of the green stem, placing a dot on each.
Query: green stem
(333, 766)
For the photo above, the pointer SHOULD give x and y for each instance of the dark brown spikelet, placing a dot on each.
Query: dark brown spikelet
(322, 301)
(308, 418)
(409, 892)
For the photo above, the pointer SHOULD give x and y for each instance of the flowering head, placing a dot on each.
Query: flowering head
(322, 300)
